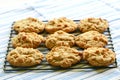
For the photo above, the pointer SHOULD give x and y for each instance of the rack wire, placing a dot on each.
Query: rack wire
(44, 65)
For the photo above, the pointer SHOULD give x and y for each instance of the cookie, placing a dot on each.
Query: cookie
(63, 56)
(91, 39)
(61, 23)
(99, 56)
(24, 57)
(90, 24)
(29, 25)
(59, 38)
(27, 40)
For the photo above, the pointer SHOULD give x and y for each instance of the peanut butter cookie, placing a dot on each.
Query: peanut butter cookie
(29, 25)
(91, 39)
(24, 57)
(99, 56)
(60, 38)
(90, 24)
(27, 40)
(61, 23)
(63, 56)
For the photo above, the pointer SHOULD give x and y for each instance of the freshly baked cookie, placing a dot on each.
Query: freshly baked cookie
(24, 57)
(61, 23)
(27, 40)
(59, 38)
(91, 39)
(99, 56)
(96, 24)
(63, 56)
(29, 25)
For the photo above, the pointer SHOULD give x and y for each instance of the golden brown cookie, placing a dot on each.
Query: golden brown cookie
(63, 56)
(29, 25)
(59, 38)
(61, 23)
(90, 24)
(99, 56)
(27, 40)
(91, 39)
(24, 57)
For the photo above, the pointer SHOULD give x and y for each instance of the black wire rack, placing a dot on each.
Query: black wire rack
(44, 65)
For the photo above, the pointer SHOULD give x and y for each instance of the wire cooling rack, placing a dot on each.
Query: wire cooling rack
(44, 64)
